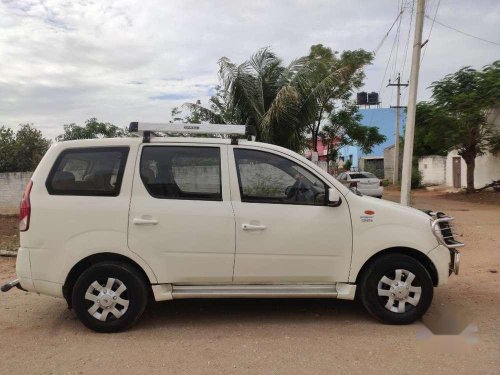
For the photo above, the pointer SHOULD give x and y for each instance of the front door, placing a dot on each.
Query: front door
(285, 232)
(457, 172)
(181, 220)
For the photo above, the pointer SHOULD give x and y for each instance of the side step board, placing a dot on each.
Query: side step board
(168, 291)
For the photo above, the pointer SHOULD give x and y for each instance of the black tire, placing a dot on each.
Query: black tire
(136, 294)
(387, 265)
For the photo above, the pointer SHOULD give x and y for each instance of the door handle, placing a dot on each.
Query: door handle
(252, 227)
(138, 221)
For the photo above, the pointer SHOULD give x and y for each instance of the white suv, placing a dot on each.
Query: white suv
(109, 223)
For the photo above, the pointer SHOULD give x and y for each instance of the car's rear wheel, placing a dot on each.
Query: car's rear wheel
(109, 296)
(396, 289)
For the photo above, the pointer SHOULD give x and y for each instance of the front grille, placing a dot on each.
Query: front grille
(447, 230)
(443, 229)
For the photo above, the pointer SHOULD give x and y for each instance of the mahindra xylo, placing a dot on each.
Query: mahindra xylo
(107, 223)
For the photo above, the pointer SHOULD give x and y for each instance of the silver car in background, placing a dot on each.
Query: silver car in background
(365, 183)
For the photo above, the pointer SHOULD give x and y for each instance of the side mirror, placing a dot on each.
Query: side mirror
(334, 199)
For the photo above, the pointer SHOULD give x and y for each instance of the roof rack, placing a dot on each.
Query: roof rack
(147, 129)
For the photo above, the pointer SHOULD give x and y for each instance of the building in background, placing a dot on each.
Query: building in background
(389, 163)
(451, 170)
(433, 169)
(373, 164)
(385, 120)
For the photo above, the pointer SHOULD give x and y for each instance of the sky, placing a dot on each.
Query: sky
(120, 61)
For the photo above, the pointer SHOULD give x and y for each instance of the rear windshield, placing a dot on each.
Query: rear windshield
(362, 175)
(88, 171)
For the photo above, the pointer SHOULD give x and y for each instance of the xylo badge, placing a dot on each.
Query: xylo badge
(367, 217)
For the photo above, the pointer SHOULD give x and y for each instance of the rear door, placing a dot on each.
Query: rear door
(181, 219)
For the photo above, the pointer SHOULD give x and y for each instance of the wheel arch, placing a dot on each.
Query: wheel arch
(417, 255)
(89, 261)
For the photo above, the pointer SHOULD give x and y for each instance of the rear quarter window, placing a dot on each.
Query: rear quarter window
(96, 171)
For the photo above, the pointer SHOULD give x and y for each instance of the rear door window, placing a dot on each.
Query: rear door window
(182, 172)
(94, 171)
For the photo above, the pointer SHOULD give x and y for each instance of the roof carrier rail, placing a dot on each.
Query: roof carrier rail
(146, 129)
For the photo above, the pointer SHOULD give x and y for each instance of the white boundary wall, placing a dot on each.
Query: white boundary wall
(487, 169)
(12, 186)
(433, 169)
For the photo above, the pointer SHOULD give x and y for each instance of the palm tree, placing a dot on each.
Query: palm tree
(279, 101)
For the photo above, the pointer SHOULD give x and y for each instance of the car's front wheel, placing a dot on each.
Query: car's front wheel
(109, 296)
(396, 289)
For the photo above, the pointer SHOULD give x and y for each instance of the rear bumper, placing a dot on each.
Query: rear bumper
(23, 269)
(24, 274)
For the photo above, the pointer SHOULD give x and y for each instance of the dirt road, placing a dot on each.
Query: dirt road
(39, 335)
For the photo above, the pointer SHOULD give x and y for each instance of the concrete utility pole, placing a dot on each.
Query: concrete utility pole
(395, 175)
(412, 105)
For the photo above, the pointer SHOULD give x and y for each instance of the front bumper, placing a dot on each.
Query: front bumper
(446, 261)
(455, 261)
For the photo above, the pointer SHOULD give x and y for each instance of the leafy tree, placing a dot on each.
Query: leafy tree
(176, 113)
(430, 124)
(347, 74)
(30, 147)
(22, 151)
(92, 129)
(344, 129)
(7, 150)
(459, 112)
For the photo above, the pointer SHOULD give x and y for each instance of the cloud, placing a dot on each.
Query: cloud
(171, 97)
(67, 61)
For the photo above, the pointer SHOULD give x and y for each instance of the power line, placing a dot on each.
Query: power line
(389, 59)
(398, 33)
(463, 32)
(408, 38)
(430, 31)
(375, 51)
(387, 65)
(387, 33)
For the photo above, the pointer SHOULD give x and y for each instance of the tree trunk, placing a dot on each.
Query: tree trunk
(315, 131)
(470, 161)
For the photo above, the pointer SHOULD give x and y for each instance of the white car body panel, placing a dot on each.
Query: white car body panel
(193, 241)
(59, 238)
(201, 242)
(391, 226)
(301, 243)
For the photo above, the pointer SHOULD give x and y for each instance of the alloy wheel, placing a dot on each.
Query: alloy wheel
(107, 300)
(399, 291)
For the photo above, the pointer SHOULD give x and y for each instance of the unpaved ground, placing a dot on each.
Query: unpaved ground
(39, 335)
(9, 232)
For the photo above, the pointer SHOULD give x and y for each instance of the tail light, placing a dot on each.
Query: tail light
(25, 208)
(354, 184)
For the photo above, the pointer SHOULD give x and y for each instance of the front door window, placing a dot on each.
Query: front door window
(269, 178)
